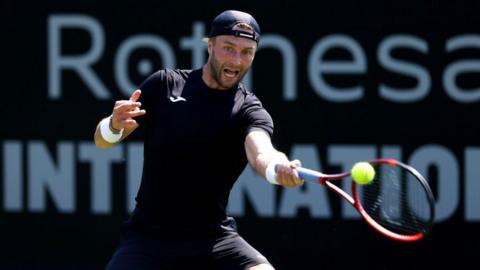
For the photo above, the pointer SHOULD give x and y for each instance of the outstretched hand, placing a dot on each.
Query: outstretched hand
(287, 176)
(125, 110)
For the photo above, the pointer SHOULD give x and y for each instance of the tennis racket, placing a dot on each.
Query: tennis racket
(398, 203)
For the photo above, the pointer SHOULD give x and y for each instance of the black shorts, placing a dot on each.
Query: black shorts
(142, 250)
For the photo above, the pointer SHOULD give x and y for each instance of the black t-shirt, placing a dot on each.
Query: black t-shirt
(193, 149)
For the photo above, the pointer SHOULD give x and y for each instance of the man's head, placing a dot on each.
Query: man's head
(232, 44)
(224, 23)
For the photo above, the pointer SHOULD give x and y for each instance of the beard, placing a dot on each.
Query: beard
(217, 69)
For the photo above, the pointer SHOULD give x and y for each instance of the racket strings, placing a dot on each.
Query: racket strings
(396, 200)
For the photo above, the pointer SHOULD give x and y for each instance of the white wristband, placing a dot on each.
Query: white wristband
(270, 173)
(107, 133)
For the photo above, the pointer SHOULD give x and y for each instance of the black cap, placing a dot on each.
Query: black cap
(223, 25)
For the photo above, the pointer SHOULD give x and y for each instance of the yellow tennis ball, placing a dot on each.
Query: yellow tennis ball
(363, 173)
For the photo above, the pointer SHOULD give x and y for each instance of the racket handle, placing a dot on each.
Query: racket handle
(309, 175)
(304, 173)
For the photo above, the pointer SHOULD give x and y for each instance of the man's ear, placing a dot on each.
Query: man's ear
(210, 46)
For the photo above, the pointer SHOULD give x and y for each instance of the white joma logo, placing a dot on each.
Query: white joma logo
(177, 99)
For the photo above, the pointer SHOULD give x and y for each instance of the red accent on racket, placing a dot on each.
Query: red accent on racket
(398, 203)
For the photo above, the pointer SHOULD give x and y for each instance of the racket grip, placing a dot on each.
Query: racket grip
(304, 173)
(309, 175)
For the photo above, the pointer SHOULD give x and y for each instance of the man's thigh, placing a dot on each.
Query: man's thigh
(143, 252)
(232, 252)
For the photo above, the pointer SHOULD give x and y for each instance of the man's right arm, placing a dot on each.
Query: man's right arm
(260, 152)
(122, 118)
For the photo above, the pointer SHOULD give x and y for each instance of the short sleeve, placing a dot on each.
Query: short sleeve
(255, 117)
(151, 88)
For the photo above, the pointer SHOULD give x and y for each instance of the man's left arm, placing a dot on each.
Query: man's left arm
(260, 152)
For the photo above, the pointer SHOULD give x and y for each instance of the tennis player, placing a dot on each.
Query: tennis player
(201, 127)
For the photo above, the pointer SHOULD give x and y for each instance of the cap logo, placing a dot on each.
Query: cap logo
(245, 35)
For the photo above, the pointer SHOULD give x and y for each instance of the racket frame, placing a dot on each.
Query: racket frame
(325, 179)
